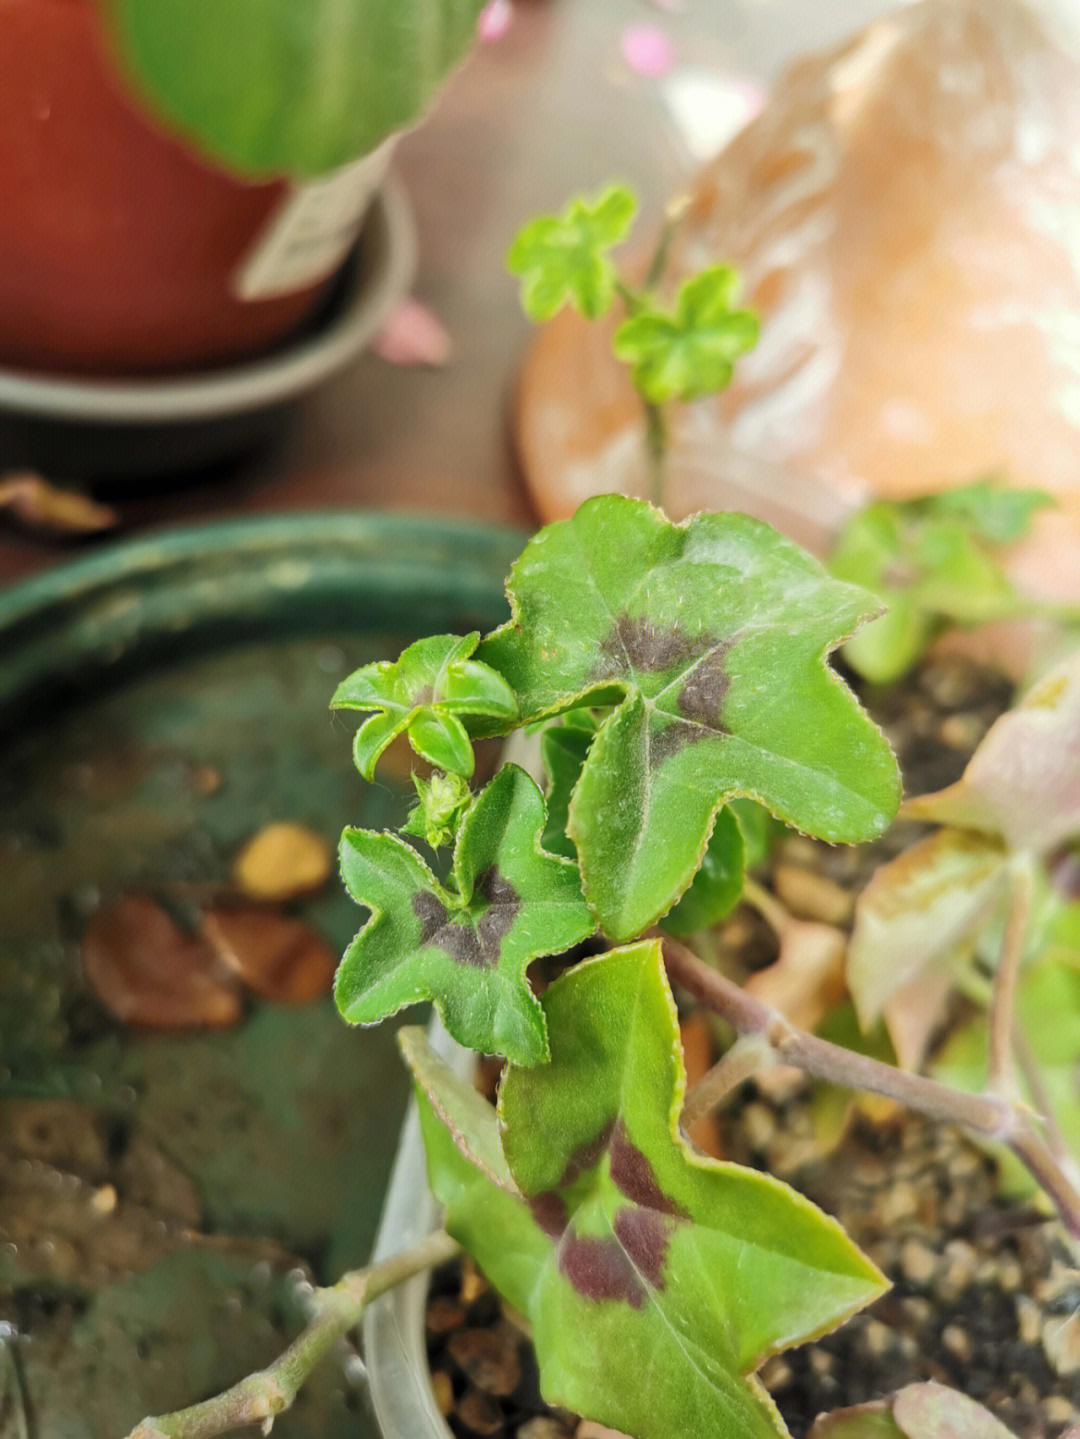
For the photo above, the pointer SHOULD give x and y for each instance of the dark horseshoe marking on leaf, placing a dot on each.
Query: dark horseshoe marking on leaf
(647, 648)
(599, 1269)
(503, 903)
(673, 738)
(550, 1212)
(549, 1208)
(633, 1174)
(431, 913)
(705, 688)
(586, 1156)
(644, 1235)
(477, 947)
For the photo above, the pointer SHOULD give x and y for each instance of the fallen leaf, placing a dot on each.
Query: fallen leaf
(808, 977)
(281, 959)
(147, 972)
(414, 335)
(282, 861)
(933, 1411)
(46, 507)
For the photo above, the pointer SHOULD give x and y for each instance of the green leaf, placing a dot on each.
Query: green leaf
(692, 352)
(932, 560)
(718, 885)
(495, 1226)
(884, 650)
(563, 750)
(710, 638)
(563, 258)
(467, 951)
(630, 1254)
(759, 830)
(460, 1106)
(271, 87)
(996, 514)
(664, 1263)
(422, 693)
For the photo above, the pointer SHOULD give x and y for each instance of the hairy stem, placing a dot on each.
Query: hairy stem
(1003, 999)
(260, 1397)
(988, 1115)
(747, 1056)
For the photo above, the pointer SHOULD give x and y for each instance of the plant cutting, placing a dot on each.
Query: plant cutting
(677, 677)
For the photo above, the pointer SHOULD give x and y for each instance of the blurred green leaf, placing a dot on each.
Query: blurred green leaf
(691, 352)
(563, 258)
(270, 87)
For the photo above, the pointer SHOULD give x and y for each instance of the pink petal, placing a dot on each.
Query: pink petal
(413, 335)
(495, 19)
(648, 50)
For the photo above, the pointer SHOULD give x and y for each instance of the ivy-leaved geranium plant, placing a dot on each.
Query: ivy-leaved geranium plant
(678, 677)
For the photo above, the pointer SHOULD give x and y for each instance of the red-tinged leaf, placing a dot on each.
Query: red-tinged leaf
(1023, 782)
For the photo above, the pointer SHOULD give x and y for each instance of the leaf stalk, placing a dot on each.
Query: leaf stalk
(260, 1397)
(990, 1116)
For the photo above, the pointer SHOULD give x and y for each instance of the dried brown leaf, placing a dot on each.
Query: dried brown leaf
(40, 505)
(282, 861)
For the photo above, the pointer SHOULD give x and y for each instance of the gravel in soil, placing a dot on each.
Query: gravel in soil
(984, 1297)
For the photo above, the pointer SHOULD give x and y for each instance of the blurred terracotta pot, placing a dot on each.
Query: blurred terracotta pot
(120, 249)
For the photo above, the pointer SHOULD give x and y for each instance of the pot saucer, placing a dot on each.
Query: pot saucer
(108, 430)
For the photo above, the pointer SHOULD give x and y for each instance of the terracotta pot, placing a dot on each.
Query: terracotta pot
(120, 249)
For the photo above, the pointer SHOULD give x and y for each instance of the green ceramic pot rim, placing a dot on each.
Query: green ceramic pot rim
(251, 574)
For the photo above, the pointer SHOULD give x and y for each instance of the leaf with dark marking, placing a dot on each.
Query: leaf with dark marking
(710, 639)
(467, 948)
(631, 1254)
(425, 693)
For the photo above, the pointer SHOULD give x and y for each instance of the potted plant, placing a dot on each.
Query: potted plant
(183, 182)
(676, 675)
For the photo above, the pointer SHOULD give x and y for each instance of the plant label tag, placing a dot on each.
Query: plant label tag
(313, 231)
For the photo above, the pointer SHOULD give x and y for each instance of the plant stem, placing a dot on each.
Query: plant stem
(1003, 1000)
(1033, 1079)
(656, 451)
(990, 1116)
(260, 1397)
(747, 1056)
(674, 214)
